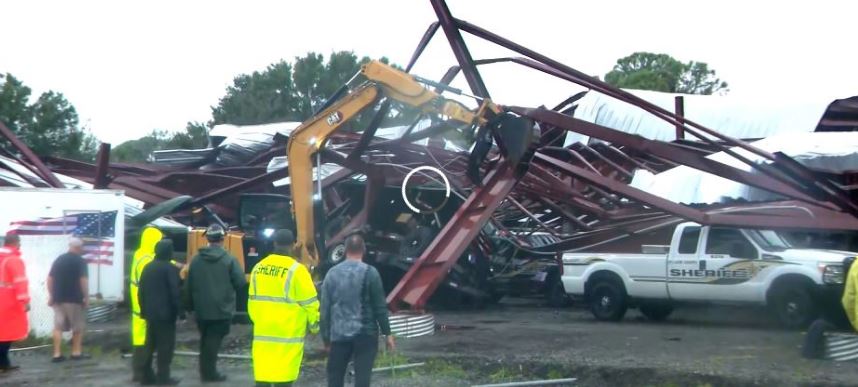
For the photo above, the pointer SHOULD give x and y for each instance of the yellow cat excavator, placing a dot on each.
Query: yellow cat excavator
(381, 82)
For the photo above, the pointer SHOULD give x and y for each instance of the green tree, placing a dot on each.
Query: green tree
(259, 97)
(282, 92)
(286, 92)
(194, 137)
(661, 72)
(49, 125)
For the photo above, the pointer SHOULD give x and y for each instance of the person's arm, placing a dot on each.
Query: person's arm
(849, 296)
(140, 294)
(84, 282)
(50, 284)
(237, 275)
(377, 302)
(187, 292)
(306, 297)
(379, 306)
(325, 318)
(173, 285)
(50, 290)
(20, 284)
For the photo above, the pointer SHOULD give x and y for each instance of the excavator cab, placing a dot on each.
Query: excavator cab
(260, 215)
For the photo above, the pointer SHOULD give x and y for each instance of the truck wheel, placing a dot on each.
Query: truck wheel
(608, 301)
(337, 253)
(656, 311)
(793, 305)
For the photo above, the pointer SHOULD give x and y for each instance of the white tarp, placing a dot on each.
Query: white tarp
(831, 151)
(734, 116)
(266, 130)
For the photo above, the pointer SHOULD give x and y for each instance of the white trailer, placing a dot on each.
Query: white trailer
(46, 218)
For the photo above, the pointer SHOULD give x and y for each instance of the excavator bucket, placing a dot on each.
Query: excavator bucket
(514, 135)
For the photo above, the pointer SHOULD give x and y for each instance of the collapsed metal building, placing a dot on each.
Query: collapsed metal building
(507, 218)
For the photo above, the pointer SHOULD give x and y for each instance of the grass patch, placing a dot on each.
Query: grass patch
(444, 368)
(555, 374)
(504, 374)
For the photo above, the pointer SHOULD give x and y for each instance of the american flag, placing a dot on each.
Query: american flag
(97, 230)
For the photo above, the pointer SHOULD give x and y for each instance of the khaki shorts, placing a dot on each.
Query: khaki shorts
(69, 317)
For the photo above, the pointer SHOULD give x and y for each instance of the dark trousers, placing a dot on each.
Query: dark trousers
(160, 339)
(362, 349)
(278, 384)
(138, 362)
(212, 333)
(4, 354)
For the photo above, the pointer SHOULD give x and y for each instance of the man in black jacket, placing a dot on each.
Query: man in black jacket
(159, 306)
(214, 276)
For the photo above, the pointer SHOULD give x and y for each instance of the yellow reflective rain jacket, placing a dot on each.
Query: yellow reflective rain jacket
(283, 305)
(850, 295)
(142, 257)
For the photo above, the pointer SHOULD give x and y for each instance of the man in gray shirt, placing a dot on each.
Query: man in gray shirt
(353, 313)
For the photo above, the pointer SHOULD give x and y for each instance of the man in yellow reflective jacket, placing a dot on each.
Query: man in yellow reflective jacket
(850, 292)
(283, 306)
(143, 256)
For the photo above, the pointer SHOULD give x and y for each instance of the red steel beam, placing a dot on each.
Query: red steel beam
(424, 41)
(460, 50)
(664, 150)
(429, 270)
(832, 220)
(531, 216)
(43, 171)
(606, 160)
(679, 107)
(102, 165)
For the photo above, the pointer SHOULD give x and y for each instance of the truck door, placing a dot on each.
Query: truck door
(725, 268)
(682, 260)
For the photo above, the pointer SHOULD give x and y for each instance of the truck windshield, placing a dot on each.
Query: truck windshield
(768, 240)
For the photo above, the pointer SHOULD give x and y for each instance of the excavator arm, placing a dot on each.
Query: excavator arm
(310, 137)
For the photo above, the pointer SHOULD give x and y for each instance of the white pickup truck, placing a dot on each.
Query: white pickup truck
(711, 265)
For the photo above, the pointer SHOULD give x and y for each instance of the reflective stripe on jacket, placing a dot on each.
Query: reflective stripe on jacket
(142, 257)
(14, 296)
(283, 305)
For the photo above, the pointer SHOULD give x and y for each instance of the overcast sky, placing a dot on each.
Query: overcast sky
(130, 67)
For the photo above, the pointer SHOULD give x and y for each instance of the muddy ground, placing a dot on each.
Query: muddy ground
(515, 340)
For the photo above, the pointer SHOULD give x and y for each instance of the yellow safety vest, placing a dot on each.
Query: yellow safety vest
(850, 295)
(283, 305)
(142, 257)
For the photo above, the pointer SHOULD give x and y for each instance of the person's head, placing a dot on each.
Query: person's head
(355, 247)
(76, 246)
(12, 240)
(149, 237)
(215, 234)
(164, 250)
(283, 241)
